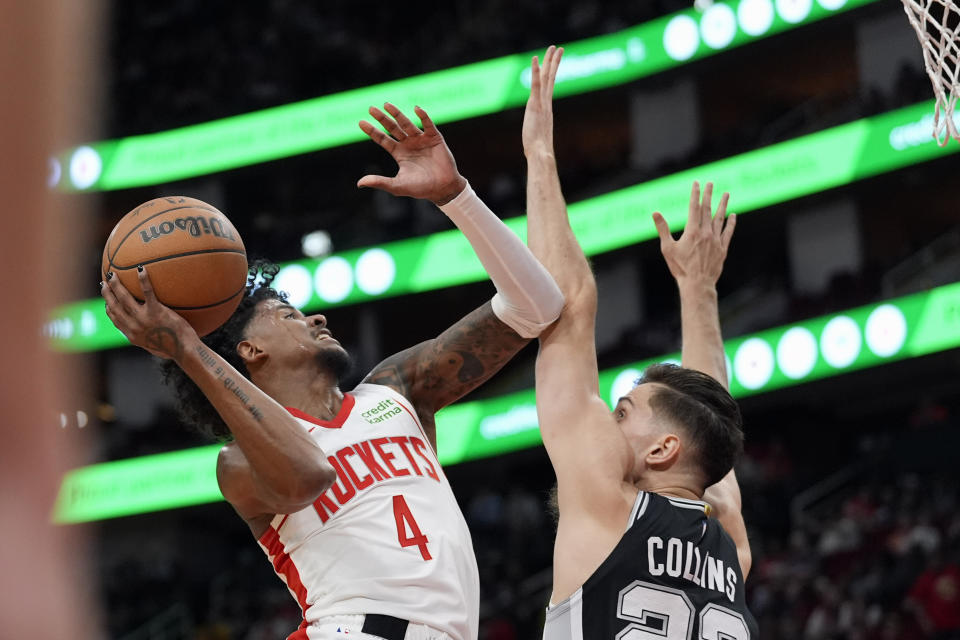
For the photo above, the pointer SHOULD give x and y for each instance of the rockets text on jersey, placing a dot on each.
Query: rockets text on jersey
(388, 537)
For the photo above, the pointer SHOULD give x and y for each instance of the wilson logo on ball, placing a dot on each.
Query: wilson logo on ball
(194, 225)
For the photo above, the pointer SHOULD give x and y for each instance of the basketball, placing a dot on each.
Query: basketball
(193, 254)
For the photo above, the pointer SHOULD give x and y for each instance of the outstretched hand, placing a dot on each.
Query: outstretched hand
(426, 168)
(149, 325)
(702, 248)
(538, 117)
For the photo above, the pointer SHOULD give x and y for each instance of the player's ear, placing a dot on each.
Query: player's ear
(250, 352)
(664, 452)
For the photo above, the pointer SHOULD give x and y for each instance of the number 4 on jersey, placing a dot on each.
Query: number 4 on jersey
(401, 512)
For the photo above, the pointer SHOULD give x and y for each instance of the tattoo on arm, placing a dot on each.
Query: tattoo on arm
(471, 367)
(464, 356)
(388, 374)
(233, 386)
(164, 340)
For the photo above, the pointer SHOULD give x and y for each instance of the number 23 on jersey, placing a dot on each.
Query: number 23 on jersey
(657, 612)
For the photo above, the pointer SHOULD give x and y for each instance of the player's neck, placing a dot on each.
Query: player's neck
(317, 394)
(678, 492)
(670, 486)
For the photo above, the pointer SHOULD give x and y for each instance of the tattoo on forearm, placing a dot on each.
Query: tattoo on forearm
(233, 386)
(164, 340)
(205, 357)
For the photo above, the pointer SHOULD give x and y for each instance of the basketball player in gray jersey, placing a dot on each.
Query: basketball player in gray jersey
(637, 555)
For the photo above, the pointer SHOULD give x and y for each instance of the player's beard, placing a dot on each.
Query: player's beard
(336, 361)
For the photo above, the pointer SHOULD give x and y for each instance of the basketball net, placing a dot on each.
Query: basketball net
(937, 24)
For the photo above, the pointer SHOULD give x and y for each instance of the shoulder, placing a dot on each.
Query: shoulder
(669, 515)
(230, 460)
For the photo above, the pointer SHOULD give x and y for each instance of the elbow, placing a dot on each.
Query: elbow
(582, 297)
(304, 487)
(315, 481)
(555, 306)
(326, 476)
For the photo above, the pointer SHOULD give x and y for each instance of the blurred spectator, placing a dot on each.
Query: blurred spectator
(935, 598)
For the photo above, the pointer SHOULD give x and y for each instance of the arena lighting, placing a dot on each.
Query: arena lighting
(871, 335)
(452, 94)
(316, 244)
(761, 178)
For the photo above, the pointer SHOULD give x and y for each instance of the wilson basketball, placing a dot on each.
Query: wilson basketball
(193, 254)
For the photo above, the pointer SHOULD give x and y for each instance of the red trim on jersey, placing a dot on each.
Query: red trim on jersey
(283, 565)
(417, 422)
(300, 633)
(345, 408)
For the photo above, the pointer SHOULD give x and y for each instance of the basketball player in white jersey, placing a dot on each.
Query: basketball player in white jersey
(343, 490)
(636, 555)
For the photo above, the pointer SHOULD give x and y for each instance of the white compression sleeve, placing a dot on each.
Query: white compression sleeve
(527, 299)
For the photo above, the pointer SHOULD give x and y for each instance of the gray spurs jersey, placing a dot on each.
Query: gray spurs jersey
(674, 575)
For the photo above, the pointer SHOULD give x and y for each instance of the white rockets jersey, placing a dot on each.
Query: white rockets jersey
(388, 537)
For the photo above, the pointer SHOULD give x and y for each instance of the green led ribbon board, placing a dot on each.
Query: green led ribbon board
(452, 94)
(756, 179)
(831, 345)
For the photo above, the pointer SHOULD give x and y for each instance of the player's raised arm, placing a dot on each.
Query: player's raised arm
(278, 468)
(442, 370)
(567, 363)
(696, 262)
(588, 449)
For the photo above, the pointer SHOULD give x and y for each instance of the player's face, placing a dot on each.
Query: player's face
(636, 420)
(286, 335)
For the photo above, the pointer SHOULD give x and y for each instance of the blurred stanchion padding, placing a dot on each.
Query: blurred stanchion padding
(49, 53)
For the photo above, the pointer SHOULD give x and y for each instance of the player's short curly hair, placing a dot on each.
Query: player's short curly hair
(705, 411)
(192, 405)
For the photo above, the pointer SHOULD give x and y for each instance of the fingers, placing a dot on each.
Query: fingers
(388, 123)
(118, 310)
(149, 297)
(382, 139)
(706, 208)
(693, 212)
(717, 220)
(123, 297)
(535, 77)
(377, 182)
(543, 78)
(727, 234)
(405, 124)
(551, 63)
(428, 126)
(118, 319)
(663, 229)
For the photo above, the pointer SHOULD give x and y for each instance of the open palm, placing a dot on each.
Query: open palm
(425, 167)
